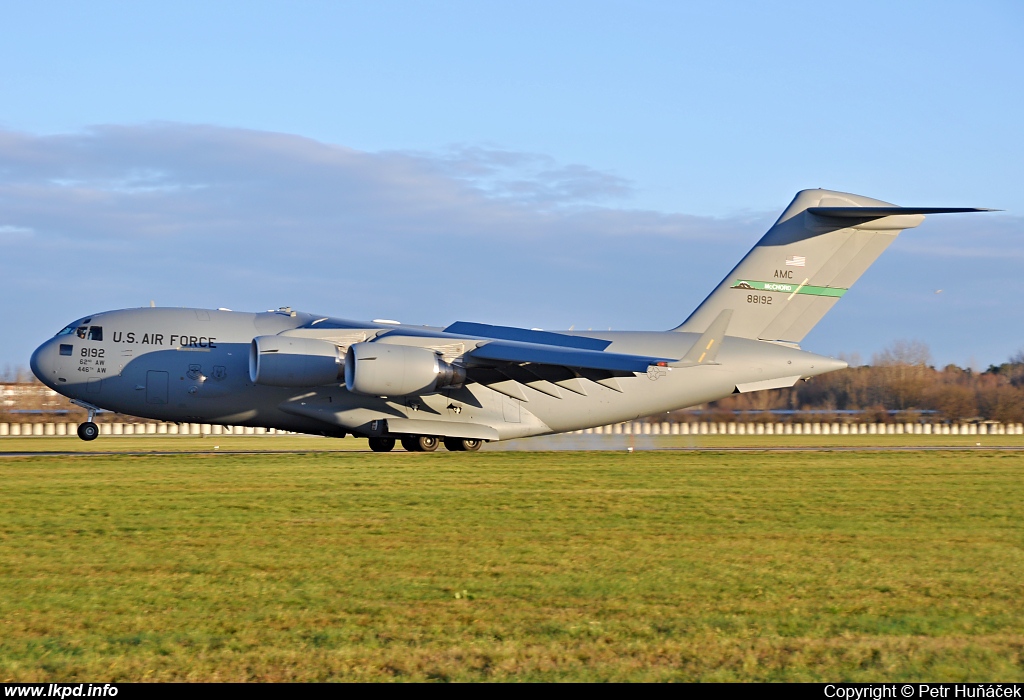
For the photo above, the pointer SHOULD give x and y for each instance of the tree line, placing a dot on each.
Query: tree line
(899, 384)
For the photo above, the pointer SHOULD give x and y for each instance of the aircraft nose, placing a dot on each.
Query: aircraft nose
(42, 363)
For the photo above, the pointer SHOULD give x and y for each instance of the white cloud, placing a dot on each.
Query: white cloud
(994, 236)
(211, 216)
(16, 230)
(172, 179)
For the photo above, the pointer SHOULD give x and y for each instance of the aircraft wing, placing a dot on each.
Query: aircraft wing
(506, 351)
(505, 344)
(505, 358)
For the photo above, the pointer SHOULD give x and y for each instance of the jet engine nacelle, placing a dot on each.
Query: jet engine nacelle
(280, 360)
(380, 369)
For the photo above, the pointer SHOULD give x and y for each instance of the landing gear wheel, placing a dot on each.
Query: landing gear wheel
(462, 445)
(88, 431)
(382, 444)
(420, 443)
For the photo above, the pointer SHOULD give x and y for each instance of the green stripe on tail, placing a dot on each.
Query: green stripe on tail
(789, 288)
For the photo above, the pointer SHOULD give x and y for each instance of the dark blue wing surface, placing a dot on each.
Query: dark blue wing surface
(523, 335)
(505, 351)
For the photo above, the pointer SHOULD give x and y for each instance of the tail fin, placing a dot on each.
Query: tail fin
(818, 248)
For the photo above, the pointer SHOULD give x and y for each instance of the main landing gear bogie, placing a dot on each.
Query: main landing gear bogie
(462, 444)
(426, 443)
(382, 444)
(420, 443)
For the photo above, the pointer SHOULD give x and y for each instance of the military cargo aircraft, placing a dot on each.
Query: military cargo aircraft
(471, 383)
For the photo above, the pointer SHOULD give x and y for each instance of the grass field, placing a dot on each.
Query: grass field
(510, 565)
(250, 443)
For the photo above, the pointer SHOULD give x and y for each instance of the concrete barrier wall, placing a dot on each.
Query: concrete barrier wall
(808, 428)
(133, 429)
(632, 428)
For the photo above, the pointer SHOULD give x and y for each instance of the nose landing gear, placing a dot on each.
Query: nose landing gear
(88, 430)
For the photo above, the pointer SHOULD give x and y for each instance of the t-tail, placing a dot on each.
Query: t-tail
(807, 261)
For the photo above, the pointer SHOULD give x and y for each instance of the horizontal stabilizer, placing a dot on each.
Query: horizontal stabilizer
(879, 212)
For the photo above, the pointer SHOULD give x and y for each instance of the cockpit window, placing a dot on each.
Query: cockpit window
(82, 330)
(80, 325)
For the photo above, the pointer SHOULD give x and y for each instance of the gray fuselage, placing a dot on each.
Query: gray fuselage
(193, 365)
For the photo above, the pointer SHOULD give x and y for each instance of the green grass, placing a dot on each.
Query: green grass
(256, 443)
(527, 566)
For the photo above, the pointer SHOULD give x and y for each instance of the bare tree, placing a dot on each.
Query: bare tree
(911, 353)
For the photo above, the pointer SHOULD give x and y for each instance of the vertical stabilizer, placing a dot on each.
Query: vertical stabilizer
(807, 261)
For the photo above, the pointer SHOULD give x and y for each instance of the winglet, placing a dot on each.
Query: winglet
(705, 350)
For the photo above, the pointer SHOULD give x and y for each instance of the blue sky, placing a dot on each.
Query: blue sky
(596, 164)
